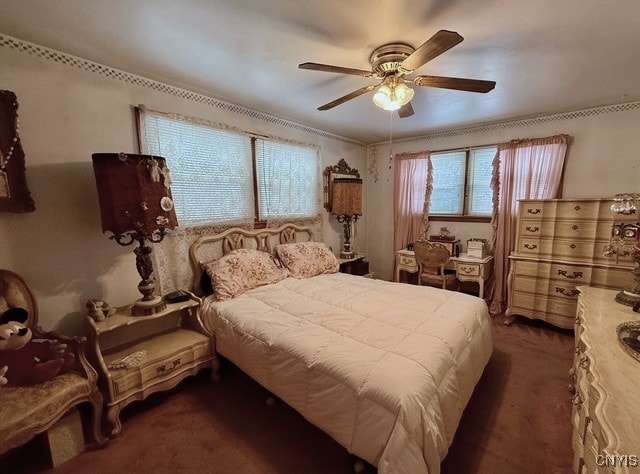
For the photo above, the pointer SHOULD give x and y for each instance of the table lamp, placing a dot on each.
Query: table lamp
(346, 205)
(134, 194)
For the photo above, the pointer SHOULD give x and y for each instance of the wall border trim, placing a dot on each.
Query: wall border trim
(118, 74)
(606, 109)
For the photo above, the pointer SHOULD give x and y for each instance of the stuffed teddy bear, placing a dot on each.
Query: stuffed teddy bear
(24, 361)
(98, 310)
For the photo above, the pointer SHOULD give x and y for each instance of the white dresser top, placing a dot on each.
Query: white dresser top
(616, 374)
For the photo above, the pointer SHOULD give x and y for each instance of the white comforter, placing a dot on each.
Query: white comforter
(385, 369)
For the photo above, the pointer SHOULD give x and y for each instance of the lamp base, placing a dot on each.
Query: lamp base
(347, 254)
(148, 307)
(627, 298)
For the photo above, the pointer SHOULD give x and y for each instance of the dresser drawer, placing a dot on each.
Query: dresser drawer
(576, 229)
(167, 356)
(546, 287)
(566, 209)
(407, 261)
(541, 306)
(580, 274)
(612, 277)
(468, 269)
(569, 249)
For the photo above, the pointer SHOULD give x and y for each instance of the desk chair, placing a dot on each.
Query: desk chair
(431, 259)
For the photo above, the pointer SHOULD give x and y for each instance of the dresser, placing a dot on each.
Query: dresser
(604, 380)
(559, 246)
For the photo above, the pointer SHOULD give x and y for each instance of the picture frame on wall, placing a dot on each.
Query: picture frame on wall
(14, 193)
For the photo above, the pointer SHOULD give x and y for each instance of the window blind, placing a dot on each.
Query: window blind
(211, 169)
(287, 180)
(448, 183)
(480, 174)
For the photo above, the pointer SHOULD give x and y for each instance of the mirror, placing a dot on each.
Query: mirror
(341, 170)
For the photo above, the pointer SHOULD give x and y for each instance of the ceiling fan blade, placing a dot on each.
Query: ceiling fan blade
(406, 111)
(347, 97)
(337, 69)
(442, 41)
(457, 83)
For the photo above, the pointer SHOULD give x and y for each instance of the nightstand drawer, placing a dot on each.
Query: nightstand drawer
(407, 261)
(167, 356)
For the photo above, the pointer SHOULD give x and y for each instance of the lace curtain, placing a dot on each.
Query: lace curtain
(523, 169)
(413, 184)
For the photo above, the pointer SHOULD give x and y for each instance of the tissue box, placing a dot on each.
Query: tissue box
(476, 248)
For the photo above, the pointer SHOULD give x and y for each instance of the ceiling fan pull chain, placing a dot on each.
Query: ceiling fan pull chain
(390, 138)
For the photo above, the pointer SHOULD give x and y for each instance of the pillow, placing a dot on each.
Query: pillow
(241, 270)
(307, 259)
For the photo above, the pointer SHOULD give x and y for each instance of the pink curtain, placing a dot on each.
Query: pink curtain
(413, 183)
(523, 169)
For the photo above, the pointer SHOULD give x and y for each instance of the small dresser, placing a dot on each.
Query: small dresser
(560, 246)
(604, 381)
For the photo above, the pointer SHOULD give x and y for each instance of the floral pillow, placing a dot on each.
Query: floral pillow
(242, 270)
(307, 259)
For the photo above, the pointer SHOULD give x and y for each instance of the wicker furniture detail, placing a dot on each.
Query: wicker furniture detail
(30, 410)
(560, 246)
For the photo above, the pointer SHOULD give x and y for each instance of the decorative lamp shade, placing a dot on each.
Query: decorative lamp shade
(134, 192)
(346, 197)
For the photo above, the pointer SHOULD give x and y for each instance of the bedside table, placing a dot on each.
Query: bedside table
(355, 266)
(165, 348)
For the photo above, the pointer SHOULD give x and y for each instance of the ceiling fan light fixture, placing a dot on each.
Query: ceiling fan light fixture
(404, 94)
(382, 96)
(392, 97)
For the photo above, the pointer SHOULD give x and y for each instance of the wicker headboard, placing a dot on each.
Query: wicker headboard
(210, 247)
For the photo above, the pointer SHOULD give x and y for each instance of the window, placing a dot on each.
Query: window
(228, 177)
(462, 183)
(287, 180)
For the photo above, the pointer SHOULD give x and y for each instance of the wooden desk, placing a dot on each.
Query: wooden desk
(467, 268)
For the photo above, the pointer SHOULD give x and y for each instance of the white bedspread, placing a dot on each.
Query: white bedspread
(385, 369)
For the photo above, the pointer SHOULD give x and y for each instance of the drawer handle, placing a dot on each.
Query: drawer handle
(166, 368)
(570, 294)
(572, 246)
(575, 274)
(533, 229)
(467, 269)
(575, 227)
(533, 211)
(577, 208)
(530, 246)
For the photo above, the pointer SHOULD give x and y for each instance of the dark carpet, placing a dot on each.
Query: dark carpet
(518, 420)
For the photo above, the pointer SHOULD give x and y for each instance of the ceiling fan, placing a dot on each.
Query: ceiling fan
(391, 63)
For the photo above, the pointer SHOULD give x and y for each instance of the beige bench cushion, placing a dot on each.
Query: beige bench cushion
(26, 411)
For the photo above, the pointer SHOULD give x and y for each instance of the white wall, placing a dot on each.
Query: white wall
(603, 159)
(67, 112)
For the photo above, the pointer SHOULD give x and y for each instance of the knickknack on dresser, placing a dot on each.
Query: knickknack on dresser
(560, 245)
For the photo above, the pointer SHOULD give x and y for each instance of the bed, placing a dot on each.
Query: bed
(385, 369)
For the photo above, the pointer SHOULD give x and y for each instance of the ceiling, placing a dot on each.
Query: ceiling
(546, 56)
